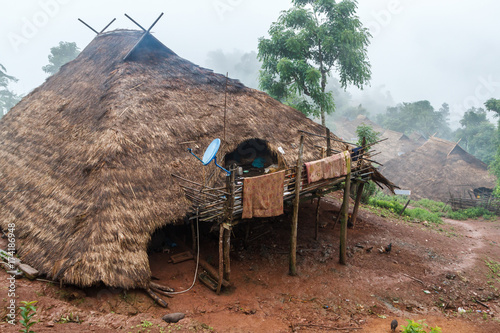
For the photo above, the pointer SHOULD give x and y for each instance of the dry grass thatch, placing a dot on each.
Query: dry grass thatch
(438, 169)
(87, 157)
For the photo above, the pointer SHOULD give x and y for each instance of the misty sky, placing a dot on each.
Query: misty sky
(442, 51)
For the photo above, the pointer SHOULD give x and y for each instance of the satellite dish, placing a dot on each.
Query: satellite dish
(210, 154)
(211, 151)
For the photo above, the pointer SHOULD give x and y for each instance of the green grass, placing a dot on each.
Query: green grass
(396, 204)
(471, 213)
(425, 209)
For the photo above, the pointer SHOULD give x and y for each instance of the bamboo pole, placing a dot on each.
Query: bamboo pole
(295, 218)
(230, 186)
(359, 193)
(221, 258)
(317, 219)
(227, 248)
(345, 216)
(328, 143)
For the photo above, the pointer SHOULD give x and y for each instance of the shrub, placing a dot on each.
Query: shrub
(418, 327)
(27, 312)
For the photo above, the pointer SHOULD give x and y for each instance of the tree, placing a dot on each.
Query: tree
(477, 135)
(494, 105)
(366, 131)
(7, 98)
(417, 116)
(59, 55)
(306, 44)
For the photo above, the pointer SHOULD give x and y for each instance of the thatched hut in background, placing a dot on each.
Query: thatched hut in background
(417, 137)
(86, 158)
(395, 143)
(438, 170)
(346, 129)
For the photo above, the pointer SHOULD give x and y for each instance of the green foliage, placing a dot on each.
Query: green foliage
(418, 327)
(59, 55)
(27, 312)
(306, 43)
(7, 98)
(396, 204)
(477, 135)
(421, 214)
(367, 132)
(432, 206)
(471, 213)
(70, 318)
(391, 205)
(368, 191)
(494, 268)
(417, 116)
(494, 105)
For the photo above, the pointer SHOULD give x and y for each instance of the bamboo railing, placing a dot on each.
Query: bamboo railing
(210, 202)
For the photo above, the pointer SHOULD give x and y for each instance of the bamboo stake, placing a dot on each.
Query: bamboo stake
(295, 218)
(359, 193)
(317, 219)
(221, 258)
(227, 248)
(343, 223)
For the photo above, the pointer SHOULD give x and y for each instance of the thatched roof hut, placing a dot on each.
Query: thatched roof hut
(438, 169)
(86, 158)
(346, 129)
(394, 145)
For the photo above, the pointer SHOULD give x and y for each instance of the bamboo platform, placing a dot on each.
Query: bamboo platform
(223, 205)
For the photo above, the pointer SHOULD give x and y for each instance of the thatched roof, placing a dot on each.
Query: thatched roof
(437, 169)
(86, 158)
(396, 143)
(346, 129)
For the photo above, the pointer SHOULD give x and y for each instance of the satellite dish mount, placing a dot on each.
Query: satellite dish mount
(210, 154)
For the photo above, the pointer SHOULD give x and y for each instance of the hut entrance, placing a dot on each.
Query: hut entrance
(254, 157)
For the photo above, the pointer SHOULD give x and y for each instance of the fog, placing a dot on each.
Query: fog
(441, 51)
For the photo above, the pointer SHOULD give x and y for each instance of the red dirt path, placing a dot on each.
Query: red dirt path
(363, 296)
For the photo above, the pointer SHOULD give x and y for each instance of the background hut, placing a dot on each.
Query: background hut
(86, 158)
(394, 145)
(438, 170)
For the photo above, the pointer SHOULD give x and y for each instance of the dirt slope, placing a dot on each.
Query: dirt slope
(430, 273)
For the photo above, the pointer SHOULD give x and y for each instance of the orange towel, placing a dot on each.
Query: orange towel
(263, 195)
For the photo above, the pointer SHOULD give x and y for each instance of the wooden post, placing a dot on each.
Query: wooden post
(317, 219)
(328, 143)
(295, 217)
(344, 217)
(404, 208)
(227, 248)
(221, 258)
(359, 193)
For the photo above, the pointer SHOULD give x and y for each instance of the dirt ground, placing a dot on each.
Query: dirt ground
(434, 273)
